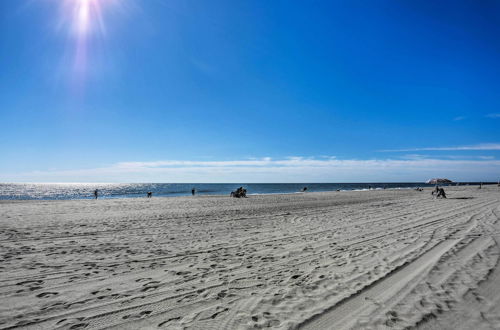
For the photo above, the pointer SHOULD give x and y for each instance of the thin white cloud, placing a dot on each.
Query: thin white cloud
(493, 115)
(459, 157)
(482, 146)
(293, 169)
(459, 118)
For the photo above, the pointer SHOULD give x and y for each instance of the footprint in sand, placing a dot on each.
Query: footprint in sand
(149, 288)
(99, 291)
(165, 323)
(33, 288)
(30, 282)
(76, 323)
(47, 294)
(213, 316)
(137, 315)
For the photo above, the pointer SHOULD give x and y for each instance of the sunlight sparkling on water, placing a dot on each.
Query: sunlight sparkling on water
(51, 191)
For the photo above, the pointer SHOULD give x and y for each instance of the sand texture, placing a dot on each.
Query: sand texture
(342, 260)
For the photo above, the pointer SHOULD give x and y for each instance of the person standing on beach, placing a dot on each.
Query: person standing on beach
(193, 191)
(96, 193)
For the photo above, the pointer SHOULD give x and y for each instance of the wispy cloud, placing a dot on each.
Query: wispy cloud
(493, 115)
(459, 118)
(292, 169)
(481, 146)
(459, 157)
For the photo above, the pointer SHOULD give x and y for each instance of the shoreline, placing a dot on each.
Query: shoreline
(203, 195)
(206, 195)
(113, 191)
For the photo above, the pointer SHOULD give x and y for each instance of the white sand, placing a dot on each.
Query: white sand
(376, 259)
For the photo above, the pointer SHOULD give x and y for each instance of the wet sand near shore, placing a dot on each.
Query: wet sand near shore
(332, 260)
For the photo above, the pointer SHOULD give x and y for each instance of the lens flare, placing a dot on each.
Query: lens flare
(83, 24)
(83, 21)
(87, 16)
(83, 16)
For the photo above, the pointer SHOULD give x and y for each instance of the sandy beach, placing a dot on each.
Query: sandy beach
(337, 260)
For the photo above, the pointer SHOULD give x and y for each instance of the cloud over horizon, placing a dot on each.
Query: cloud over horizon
(481, 146)
(266, 169)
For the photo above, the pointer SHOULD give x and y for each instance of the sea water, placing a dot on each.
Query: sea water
(52, 191)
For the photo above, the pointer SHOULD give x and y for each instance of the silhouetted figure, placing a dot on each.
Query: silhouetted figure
(96, 193)
(304, 189)
(435, 191)
(240, 192)
(150, 194)
(193, 191)
(480, 185)
(441, 193)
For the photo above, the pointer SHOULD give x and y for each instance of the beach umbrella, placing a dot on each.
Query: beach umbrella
(438, 181)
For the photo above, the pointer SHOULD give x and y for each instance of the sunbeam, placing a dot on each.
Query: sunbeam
(84, 23)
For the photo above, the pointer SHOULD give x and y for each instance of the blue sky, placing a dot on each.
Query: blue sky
(255, 91)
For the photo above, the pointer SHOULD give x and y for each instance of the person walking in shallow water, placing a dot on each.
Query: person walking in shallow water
(193, 191)
(96, 193)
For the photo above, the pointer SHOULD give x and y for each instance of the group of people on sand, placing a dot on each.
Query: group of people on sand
(240, 192)
(439, 192)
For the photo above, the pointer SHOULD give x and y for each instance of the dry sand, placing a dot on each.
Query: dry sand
(340, 260)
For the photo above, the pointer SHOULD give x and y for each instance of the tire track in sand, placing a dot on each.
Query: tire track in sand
(342, 315)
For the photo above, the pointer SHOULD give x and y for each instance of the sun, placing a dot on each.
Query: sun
(83, 24)
(87, 16)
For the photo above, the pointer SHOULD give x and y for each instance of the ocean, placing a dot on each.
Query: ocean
(61, 191)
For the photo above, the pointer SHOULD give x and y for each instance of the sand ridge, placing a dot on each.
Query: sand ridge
(338, 260)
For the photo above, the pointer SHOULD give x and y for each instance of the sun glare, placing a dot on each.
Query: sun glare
(84, 24)
(83, 20)
(86, 16)
(83, 16)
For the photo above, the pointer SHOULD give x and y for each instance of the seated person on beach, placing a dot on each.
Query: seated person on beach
(240, 192)
(435, 190)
